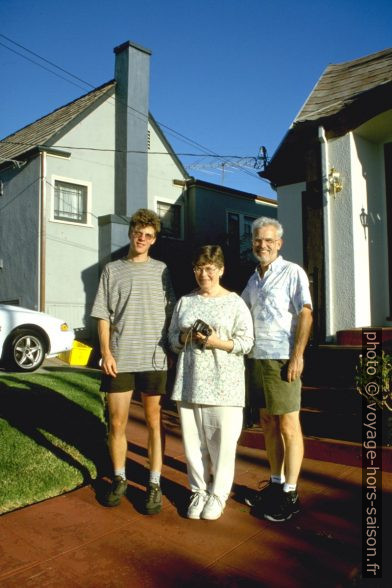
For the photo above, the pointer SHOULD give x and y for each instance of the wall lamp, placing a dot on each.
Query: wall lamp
(335, 182)
(364, 218)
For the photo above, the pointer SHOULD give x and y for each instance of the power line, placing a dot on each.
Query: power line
(42, 66)
(206, 150)
(184, 137)
(214, 155)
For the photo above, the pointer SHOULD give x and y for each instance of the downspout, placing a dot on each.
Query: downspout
(42, 233)
(327, 234)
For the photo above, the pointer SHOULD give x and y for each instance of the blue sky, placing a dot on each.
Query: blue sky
(228, 74)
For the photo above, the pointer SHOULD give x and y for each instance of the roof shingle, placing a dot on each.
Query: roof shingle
(44, 129)
(341, 83)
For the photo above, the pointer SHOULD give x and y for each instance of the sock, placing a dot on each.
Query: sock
(120, 472)
(278, 479)
(155, 477)
(289, 487)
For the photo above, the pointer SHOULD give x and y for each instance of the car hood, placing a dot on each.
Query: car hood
(23, 315)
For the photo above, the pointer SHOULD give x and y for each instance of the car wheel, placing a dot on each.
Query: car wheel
(26, 351)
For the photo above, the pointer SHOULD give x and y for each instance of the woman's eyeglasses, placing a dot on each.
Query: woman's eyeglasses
(209, 269)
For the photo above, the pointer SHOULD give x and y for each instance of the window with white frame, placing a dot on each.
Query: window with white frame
(170, 215)
(70, 202)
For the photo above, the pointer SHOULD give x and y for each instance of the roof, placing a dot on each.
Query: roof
(225, 189)
(346, 95)
(43, 131)
(342, 83)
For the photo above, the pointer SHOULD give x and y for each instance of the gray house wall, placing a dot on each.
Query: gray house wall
(19, 234)
(209, 208)
(72, 249)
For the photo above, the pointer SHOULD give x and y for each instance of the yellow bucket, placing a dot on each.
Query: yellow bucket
(78, 355)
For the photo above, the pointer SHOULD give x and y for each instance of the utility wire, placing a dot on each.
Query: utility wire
(27, 144)
(207, 151)
(87, 84)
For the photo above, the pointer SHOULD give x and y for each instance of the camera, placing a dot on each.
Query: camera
(200, 326)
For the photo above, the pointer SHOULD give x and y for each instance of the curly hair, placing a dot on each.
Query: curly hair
(143, 218)
(209, 254)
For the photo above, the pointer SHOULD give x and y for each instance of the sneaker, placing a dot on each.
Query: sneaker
(196, 505)
(118, 488)
(154, 499)
(285, 508)
(213, 508)
(268, 493)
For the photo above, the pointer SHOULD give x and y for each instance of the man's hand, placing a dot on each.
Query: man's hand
(295, 367)
(109, 366)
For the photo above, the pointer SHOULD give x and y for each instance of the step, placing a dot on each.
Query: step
(316, 447)
(354, 337)
(330, 365)
(322, 449)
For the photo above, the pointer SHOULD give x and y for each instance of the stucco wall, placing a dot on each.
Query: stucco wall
(19, 235)
(212, 206)
(344, 274)
(290, 217)
(358, 257)
(371, 161)
(162, 170)
(72, 268)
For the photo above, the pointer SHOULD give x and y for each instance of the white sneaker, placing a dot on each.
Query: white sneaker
(196, 505)
(213, 508)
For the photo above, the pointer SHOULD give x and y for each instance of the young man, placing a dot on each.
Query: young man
(279, 299)
(133, 306)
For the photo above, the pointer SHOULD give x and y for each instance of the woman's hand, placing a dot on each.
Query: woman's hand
(213, 342)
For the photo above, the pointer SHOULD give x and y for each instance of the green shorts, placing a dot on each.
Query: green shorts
(268, 386)
(152, 383)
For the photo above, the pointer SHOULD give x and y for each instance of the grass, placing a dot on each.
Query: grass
(52, 434)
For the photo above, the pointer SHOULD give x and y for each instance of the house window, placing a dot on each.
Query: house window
(70, 202)
(170, 215)
(239, 230)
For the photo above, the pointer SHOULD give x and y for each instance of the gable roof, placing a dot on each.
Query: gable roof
(346, 95)
(167, 144)
(342, 83)
(44, 130)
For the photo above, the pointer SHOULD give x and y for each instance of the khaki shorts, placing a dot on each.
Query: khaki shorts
(152, 383)
(268, 386)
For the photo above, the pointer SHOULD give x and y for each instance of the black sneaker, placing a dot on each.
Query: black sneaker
(118, 489)
(261, 498)
(285, 508)
(154, 499)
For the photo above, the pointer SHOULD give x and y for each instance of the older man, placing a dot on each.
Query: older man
(279, 299)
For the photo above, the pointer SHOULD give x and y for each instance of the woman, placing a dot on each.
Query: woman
(209, 386)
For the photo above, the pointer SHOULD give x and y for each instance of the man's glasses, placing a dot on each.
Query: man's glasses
(140, 234)
(209, 269)
(266, 241)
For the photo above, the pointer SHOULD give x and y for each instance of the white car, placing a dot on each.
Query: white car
(28, 336)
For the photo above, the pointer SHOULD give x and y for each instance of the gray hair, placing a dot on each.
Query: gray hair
(264, 221)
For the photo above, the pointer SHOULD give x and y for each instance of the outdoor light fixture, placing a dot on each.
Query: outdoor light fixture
(335, 183)
(364, 218)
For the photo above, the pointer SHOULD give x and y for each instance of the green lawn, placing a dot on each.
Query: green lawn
(52, 434)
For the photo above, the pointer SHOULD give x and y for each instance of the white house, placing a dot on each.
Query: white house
(333, 173)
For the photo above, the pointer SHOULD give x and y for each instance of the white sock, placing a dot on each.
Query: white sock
(289, 487)
(155, 477)
(278, 479)
(120, 472)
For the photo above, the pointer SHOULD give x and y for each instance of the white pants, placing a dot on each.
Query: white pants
(210, 435)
